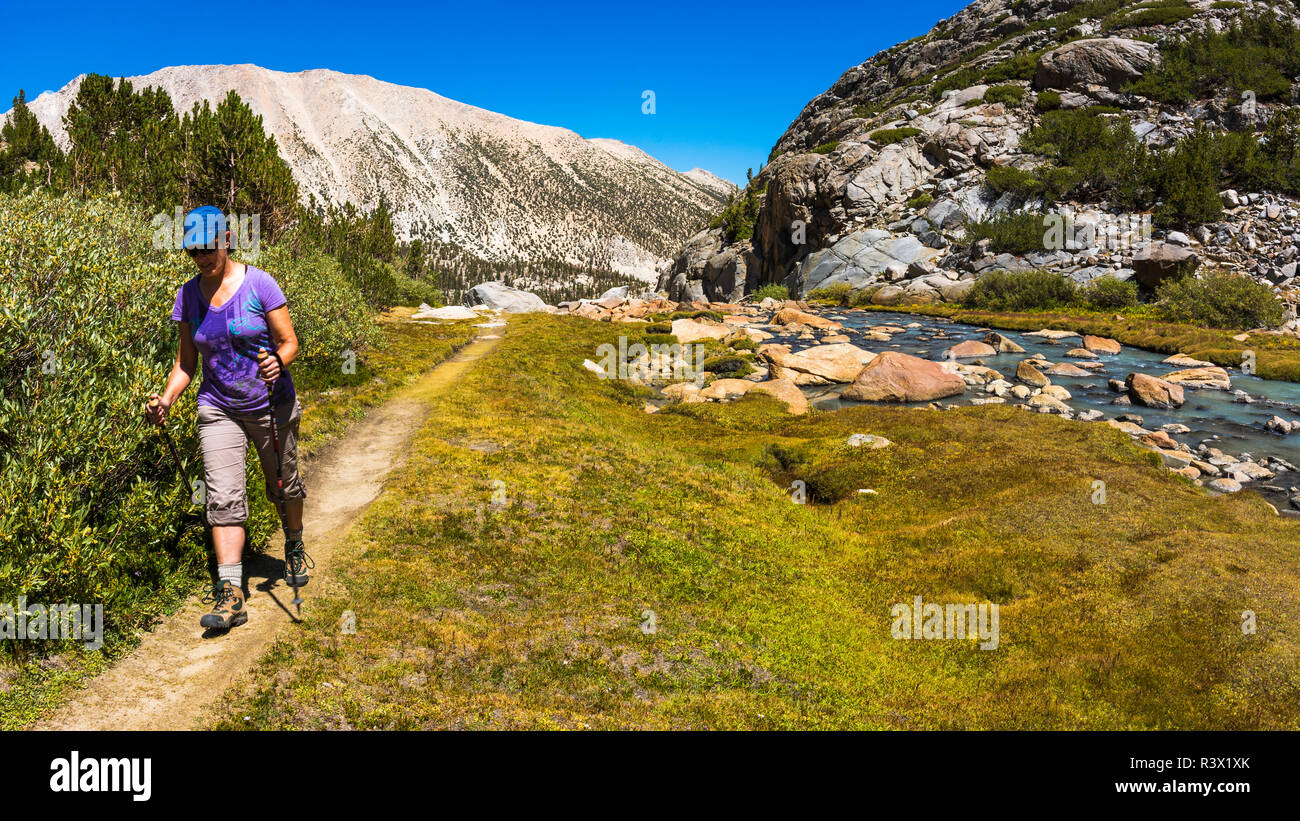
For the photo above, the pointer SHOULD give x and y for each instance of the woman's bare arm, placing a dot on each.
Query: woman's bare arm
(286, 342)
(187, 360)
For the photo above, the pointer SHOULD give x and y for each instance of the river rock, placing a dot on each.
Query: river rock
(900, 377)
(1279, 425)
(1047, 403)
(794, 316)
(722, 389)
(1066, 369)
(1184, 361)
(687, 393)
(1160, 439)
(1128, 427)
(970, 349)
(1100, 344)
(1049, 333)
(1152, 392)
(1225, 485)
(1030, 375)
(786, 391)
(999, 342)
(819, 365)
(1212, 377)
(693, 330)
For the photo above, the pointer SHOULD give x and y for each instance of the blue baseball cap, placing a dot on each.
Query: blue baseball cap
(203, 226)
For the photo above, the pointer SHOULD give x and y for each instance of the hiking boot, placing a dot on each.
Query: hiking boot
(296, 564)
(228, 608)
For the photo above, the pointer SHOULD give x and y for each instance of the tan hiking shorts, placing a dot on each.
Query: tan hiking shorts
(224, 438)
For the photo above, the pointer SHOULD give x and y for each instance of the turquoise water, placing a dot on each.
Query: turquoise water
(1215, 417)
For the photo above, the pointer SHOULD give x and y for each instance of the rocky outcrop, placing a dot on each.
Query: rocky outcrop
(860, 259)
(1107, 62)
(1158, 261)
(898, 377)
(874, 183)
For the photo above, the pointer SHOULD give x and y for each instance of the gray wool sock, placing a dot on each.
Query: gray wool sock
(293, 535)
(233, 573)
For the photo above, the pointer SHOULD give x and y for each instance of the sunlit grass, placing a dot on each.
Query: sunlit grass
(533, 612)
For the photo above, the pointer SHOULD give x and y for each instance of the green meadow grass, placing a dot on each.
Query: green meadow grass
(533, 610)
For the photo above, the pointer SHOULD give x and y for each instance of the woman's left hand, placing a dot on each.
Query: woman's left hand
(268, 367)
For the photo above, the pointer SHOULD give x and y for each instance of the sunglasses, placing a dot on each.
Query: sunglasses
(200, 252)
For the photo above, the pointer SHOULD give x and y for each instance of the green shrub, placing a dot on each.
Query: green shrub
(1045, 181)
(1103, 151)
(1187, 179)
(1227, 4)
(734, 367)
(742, 343)
(1021, 291)
(1260, 54)
(1021, 67)
(889, 136)
(1048, 100)
(920, 199)
(659, 328)
(837, 293)
(826, 148)
(739, 215)
(1270, 165)
(1015, 232)
(1162, 15)
(1106, 293)
(1219, 300)
(714, 315)
(660, 339)
(1004, 94)
(773, 291)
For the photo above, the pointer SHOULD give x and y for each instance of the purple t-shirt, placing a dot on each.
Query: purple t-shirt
(228, 338)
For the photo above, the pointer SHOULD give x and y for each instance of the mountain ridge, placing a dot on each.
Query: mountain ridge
(499, 188)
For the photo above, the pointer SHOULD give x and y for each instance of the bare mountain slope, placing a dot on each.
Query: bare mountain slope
(500, 188)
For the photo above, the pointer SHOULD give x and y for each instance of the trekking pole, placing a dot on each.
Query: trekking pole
(279, 486)
(180, 469)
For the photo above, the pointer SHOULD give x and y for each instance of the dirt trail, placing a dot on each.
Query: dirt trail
(180, 669)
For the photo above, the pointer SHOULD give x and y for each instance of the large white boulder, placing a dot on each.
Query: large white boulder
(501, 297)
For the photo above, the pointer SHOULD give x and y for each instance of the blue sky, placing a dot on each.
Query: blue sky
(728, 77)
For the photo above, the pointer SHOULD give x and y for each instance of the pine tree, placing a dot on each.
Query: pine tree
(29, 152)
(228, 160)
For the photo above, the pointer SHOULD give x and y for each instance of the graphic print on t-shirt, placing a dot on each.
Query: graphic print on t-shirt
(229, 337)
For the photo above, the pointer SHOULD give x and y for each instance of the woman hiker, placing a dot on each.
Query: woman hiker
(228, 313)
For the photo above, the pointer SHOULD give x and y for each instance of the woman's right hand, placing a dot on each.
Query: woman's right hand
(155, 410)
